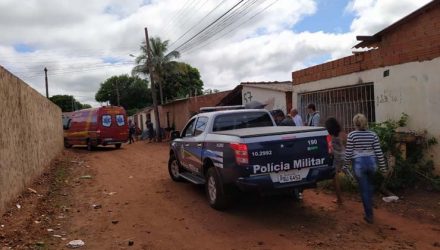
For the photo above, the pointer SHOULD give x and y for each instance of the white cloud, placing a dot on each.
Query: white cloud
(375, 15)
(73, 39)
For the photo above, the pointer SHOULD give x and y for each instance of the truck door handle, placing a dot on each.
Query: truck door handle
(199, 145)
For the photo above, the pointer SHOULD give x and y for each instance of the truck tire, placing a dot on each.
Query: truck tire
(174, 168)
(297, 194)
(218, 197)
(66, 144)
(89, 145)
(118, 145)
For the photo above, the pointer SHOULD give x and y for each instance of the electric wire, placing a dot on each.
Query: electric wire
(198, 23)
(200, 46)
(207, 27)
(233, 18)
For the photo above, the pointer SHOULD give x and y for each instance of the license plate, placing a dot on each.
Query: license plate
(283, 178)
(290, 176)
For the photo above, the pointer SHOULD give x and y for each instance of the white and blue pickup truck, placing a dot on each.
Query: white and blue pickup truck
(233, 150)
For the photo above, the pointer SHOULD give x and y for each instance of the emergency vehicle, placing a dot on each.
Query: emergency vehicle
(96, 126)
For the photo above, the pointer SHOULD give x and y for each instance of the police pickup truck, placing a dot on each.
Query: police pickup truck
(243, 149)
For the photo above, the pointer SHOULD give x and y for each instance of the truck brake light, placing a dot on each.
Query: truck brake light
(329, 144)
(241, 153)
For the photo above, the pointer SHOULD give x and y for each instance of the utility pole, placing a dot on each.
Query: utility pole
(117, 94)
(153, 87)
(47, 86)
(73, 106)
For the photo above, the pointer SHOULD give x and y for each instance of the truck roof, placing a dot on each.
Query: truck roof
(272, 130)
(234, 111)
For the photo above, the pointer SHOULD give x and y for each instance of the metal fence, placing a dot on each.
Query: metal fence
(341, 103)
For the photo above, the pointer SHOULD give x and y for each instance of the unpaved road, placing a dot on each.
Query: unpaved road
(140, 203)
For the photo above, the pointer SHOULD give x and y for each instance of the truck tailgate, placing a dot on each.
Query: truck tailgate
(287, 157)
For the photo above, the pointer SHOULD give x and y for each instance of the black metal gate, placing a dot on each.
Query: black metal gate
(342, 103)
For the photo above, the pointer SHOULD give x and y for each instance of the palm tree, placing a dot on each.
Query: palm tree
(159, 60)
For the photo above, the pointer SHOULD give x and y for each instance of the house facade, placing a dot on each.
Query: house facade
(277, 95)
(143, 115)
(398, 73)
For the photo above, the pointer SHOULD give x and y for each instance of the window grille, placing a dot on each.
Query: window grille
(341, 103)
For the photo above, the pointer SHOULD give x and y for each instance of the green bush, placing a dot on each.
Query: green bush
(416, 168)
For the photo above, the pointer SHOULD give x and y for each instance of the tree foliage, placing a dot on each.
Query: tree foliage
(181, 80)
(133, 92)
(174, 79)
(160, 60)
(68, 103)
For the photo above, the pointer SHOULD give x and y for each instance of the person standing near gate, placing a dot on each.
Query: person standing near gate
(296, 117)
(313, 116)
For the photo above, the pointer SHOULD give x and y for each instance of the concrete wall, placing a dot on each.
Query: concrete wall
(412, 88)
(274, 98)
(31, 135)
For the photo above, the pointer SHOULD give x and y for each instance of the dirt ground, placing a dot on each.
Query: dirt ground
(124, 199)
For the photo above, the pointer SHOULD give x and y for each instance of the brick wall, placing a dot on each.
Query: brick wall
(415, 40)
(180, 111)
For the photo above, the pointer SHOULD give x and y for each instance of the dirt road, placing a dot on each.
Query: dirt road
(138, 203)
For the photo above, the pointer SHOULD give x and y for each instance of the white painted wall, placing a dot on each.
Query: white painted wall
(412, 88)
(274, 98)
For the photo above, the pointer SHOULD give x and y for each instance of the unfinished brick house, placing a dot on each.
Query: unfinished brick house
(178, 112)
(400, 72)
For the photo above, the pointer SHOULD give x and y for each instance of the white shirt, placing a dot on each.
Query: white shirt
(298, 120)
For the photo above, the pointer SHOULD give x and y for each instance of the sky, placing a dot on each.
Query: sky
(83, 42)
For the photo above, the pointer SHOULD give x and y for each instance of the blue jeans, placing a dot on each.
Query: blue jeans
(364, 168)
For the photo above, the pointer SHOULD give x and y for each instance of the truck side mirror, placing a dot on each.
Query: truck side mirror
(175, 134)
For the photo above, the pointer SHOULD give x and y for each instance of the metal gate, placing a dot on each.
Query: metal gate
(341, 103)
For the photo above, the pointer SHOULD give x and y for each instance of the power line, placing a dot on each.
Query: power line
(197, 24)
(207, 27)
(63, 72)
(69, 67)
(240, 12)
(231, 30)
(185, 7)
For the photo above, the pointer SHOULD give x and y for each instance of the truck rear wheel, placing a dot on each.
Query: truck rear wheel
(66, 144)
(217, 196)
(89, 145)
(118, 145)
(174, 168)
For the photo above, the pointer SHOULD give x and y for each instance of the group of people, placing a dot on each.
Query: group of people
(361, 150)
(134, 130)
(294, 118)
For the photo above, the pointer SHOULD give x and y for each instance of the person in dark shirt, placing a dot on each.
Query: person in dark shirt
(334, 129)
(150, 129)
(281, 119)
(131, 132)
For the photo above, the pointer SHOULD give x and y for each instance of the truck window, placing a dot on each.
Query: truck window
(120, 120)
(189, 129)
(242, 120)
(200, 125)
(106, 120)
